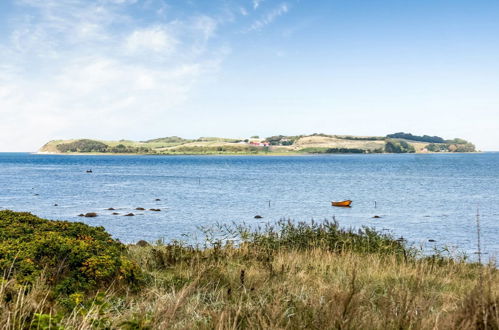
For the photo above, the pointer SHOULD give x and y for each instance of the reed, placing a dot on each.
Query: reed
(281, 276)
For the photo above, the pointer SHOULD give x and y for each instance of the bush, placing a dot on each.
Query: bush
(409, 136)
(72, 256)
(447, 147)
(123, 149)
(282, 140)
(398, 147)
(83, 145)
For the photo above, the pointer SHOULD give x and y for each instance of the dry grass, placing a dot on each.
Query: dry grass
(317, 289)
(277, 282)
(334, 142)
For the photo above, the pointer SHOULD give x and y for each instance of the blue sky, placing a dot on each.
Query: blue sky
(141, 69)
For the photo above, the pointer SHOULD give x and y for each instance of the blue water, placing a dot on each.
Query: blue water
(419, 197)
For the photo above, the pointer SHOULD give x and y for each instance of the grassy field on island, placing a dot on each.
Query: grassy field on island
(64, 275)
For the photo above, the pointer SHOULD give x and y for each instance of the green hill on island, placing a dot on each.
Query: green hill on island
(279, 144)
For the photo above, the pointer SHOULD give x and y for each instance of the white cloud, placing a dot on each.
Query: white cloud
(206, 25)
(156, 39)
(73, 68)
(269, 17)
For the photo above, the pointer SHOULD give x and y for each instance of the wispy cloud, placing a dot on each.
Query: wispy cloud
(74, 68)
(269, 17)
(256, 3)
(243, 11)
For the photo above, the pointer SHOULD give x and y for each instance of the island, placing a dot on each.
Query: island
(316, 143)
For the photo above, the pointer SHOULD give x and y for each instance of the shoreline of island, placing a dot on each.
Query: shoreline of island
(279, 145)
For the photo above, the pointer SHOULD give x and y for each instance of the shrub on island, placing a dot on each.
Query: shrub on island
(83, 145)
(398, 147)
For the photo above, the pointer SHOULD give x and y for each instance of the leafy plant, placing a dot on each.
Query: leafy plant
(73, 257)
(83, 145)
(409, 136)
(398, 146)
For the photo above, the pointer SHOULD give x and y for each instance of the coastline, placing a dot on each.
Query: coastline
(274, 154)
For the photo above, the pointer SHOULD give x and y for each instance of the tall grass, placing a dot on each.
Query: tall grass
(280, 276)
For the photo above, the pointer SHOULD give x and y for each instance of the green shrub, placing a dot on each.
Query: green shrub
(73, 257)
(409, 136)
(456, 147)
(398, 147)
(86, 145)
(83, 145)
(282, 140)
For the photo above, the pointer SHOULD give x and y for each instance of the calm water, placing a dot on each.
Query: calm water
(419, 197)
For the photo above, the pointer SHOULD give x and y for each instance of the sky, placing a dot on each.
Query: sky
(143, 69)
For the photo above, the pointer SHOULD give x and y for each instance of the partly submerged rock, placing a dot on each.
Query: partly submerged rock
(155, 210)
(258, 217)
(140, 208)
(376, 217)
(111, 209)
(90, 215)
(129, 215)
(115, 213)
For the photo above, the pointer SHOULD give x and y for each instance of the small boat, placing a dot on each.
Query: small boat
(342, 203)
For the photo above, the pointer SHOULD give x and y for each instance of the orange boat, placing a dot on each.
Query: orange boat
(343, 203)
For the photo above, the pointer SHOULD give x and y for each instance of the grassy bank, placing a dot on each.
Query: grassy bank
(311, 276)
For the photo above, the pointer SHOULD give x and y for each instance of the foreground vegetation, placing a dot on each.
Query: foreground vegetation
(279, 144)
(307, 276)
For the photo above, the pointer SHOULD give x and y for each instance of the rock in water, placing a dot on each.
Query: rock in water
(258, 217)
(140, 209)
(129, 215)
(90, 215)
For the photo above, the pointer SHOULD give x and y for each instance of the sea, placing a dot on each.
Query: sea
(433, 201)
